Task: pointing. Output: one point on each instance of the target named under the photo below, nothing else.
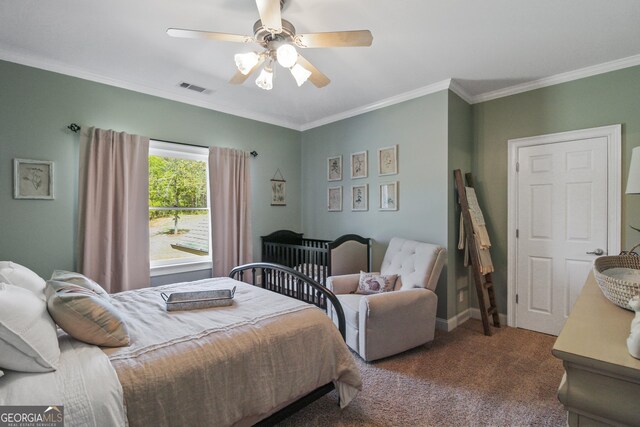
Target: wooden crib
(317, 259)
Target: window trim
(184, 267)
(195, 263)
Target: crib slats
(311, 257)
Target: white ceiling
(485, 46)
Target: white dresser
(601, 384)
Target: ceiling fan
(279, 40)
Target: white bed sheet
(85, 383)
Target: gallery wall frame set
(33, 179)
(388, 192)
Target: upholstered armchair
(387, 323)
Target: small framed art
(389, 196)
(360, 197)
(334, 199)
(334, 168)
(388, 160)
(32, 179)
(359, 165)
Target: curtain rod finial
(73, 127)
(254, 153)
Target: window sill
(163, 270)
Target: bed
(317, 259)
(253, 362)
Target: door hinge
(517, 166)
(516, 298)
(517, 233)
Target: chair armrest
(410, 304)
(344, 284)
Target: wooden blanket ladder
(483, 282)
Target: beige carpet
(464, 379)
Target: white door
(561, 227)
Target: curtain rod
(73, 127)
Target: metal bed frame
(289, 282)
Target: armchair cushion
(417, 264)
(375, 283)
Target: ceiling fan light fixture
(300, 73)
(265, 79)
(246, 61)
(287, 55)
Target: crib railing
(308, 256)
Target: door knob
(596, 252)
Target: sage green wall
(460, 157)
(600, 100)
(419, 127)
(37, 105)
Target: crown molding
(459, 90)
(581, 73)
(56, 67)
(450, 84)
(406, 96)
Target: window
(179, 236)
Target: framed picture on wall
(334, 168)
(32, 179)
(389, 196)
(360, 197)
(388, 160)
(334, 199)
(359, 165)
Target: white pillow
(18, 275)
(28, 336)
(1, 373)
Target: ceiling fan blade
(270, 16)
(239, 78)
(316, 77)
(335, 39)
(208, 35)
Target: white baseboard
(449, 325)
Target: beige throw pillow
(80, 280)
(375, 283)
(28, 336)
(86, 315)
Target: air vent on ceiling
(195, 88)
